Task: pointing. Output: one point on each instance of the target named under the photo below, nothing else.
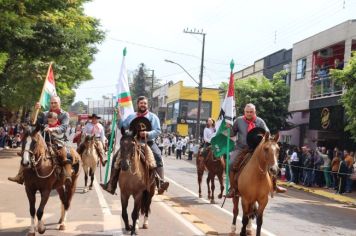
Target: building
(268, 65)
(159, 102)
(103, 108)
(182, 108)
(314, 96)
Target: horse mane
(41, 147)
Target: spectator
(295, 165)
(179, 149)
(349, 167)
(335, 163)
(342, 175)
(326, 166)
(317, 172)
(308, 167)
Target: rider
(60, 128)
(142, 111)
(242, 125)
(209, 132)
(96, 129)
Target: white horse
(90, 160)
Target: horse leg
(235, 201)
(261, 207)
(31, 195)
(91, 173)
(135, 213)
(200, 177)
(147, 206)
(221, 181)
(212, 178)
(245, 217)
(44, 198)
(208, 183)
(124, 203)
(85, 180)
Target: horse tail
(145, 202)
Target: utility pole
(152, 83)
(187, 31)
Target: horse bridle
(263, 172)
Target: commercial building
(182, 108)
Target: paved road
(179, 212)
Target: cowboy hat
(94, 116)
(254, 137)
(140, 124)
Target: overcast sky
(241, 30)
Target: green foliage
(3, 59)
(32, 34)
(142, 83)
(271, 98)
(78, 107)
(347, 77)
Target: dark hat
(254, 137)
(140, 124)
(94, 116)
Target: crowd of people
(319, 167)
(174, 144)
(10, 135)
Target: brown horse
(215, 167)
(43, 175)
(89, 161)
(255, 184)
(135, 179)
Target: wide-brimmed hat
(254, 137)
(140, 124)
(94, 116)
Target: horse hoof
(85, 190)
(248, 231)
(220, 196)
(200, 195)
(62, 227)
(145, 226)
(212, 201)
(90, 187)
(31, 234)
(42, 230)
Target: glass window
(301, 68)
(175, 109)
(170, 111)
(189, 110)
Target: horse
(89, 161)
(254, 183)
(134, 179)
(215, 167)
(42, 174)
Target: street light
(88, 105)
(197, 128)
(152, 81)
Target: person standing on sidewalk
(349, 167)
(294, 163)
(326, 166)
(179, 147)
(335, 163)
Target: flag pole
(232, 64)
(34, 120)
(111, 143)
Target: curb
(319, 192)
(206, 229)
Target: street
(178, 212)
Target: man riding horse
(97, 130)
(59, 139)
(150, 136)
(241, 127)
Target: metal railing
(325, 86)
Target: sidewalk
(347, 198)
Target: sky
(244, 31)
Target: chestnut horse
(43, 174)
(89, 161)
(135, 179)
(254, 183)
(215, 167)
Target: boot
(19, 178)
(163, 186)
(277, 188)
(111, 185)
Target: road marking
(184, 221)
(103, 204)
(216, 206)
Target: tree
(347, 77)
(142, 83)
(34, 33)
(78, 107)
(271, 98)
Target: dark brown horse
(43, 174)
(135, 179)
(254, 184)
(215, 167)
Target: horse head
(127, 149)
(33, 144)
(271, 152)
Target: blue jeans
(308, 178)
(2, 141)
(349, 181)
(156, 153)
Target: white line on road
(103, 204)
(216, 206)
(180, 218)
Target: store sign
(327, 118)
(189, 121)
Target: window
(301, 68)
(189, 110)
(175, 109)
(170, 111)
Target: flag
(221, 143)
(124, 103)
(49, 89)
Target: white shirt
(97, 130)
(294, 157)
(208, 134)
(179, 145)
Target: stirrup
(163, 187)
